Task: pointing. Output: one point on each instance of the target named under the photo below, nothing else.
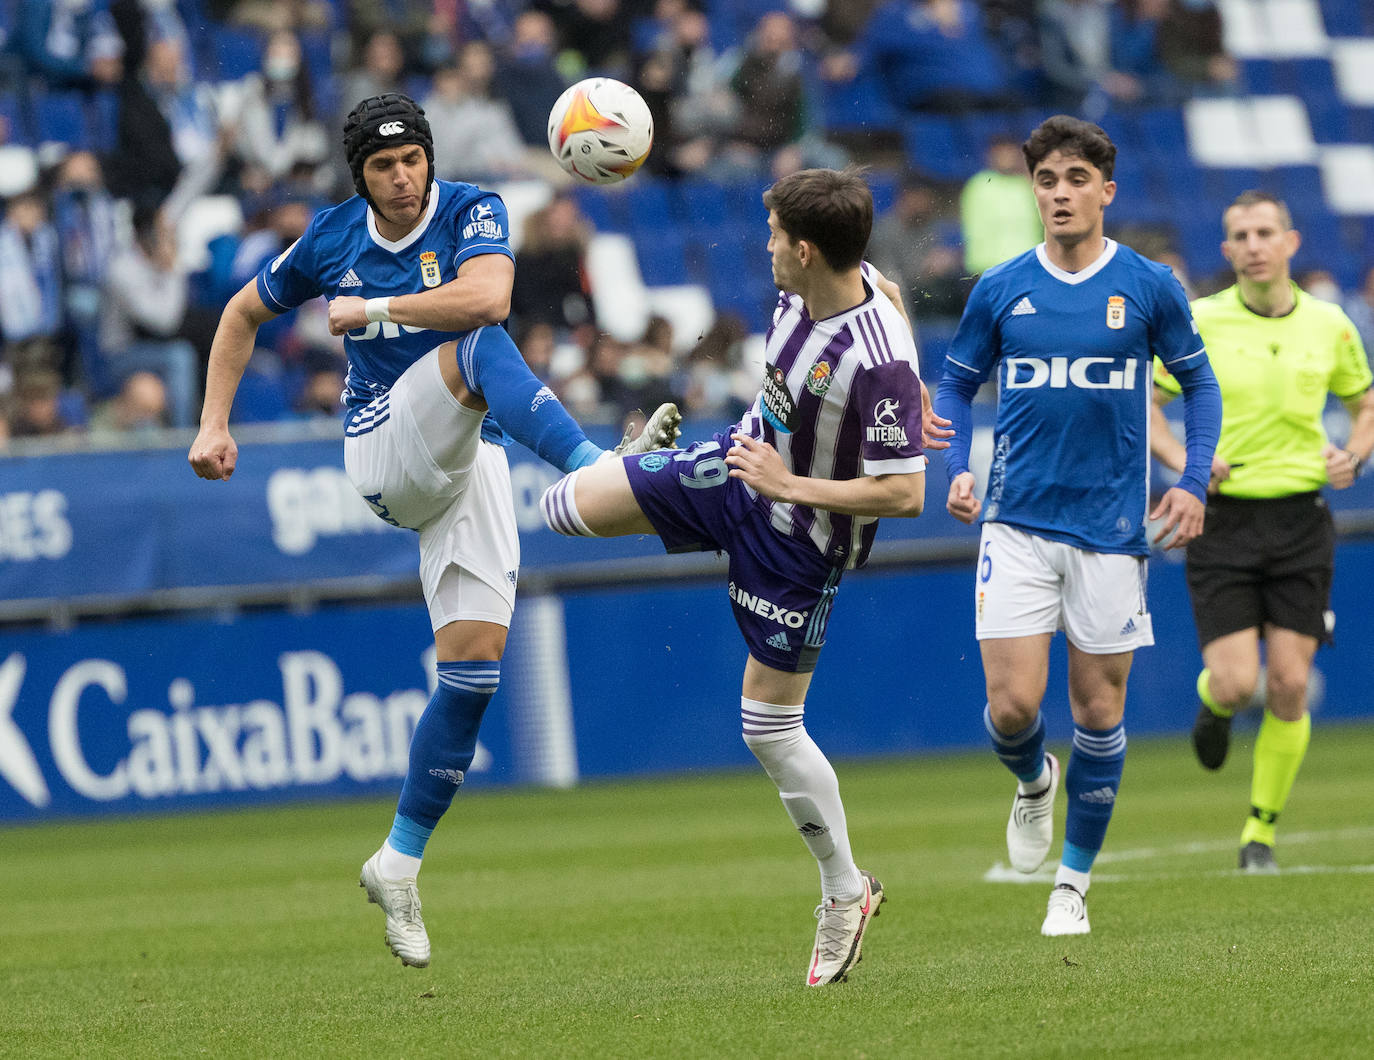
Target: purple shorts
(781, 588)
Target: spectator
(769, 91)
(1189, 43)
(30, 271)
(526, 77)
(84, 220)
(1320, 283)
(378, 72)
(475, 138)
(427, 32)
(930, 55)
(1359, 307)
(37, 405)
(145, 308)
(681, 80)
(139, 407)
(278, 125)
(1097, 53)
(596, 34)
(909, 247)
(146, 163)
(322, 386)
(997, 209)
(69, 43)
(271, 15)
(550, 282)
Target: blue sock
(442, 748)
(1023, 752)
(1092, 780)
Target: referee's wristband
(378, 310)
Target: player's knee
(558, 505)
(1230, 687)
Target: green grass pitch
(672, 918)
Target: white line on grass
(1001, 873)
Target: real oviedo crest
(429, 269)
(1116, 312)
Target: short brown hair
(830, 208)
(1074, 137)
(1255, 197)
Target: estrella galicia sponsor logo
(652, 462)
(453, 776)
(820, 377)
(482, 222)
(886, 430)
(391, 128)
(778, 407)
(767, 609)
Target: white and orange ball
(600, 130)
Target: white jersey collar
(1082, 275)
(411, 236)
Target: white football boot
(840, 933)
(400, 901)
(1067, 913)
(1030, 829)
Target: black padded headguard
(385, 121)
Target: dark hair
(1254, 197)
(405, 122)
(1073, 137)
(831, 209)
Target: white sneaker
(400, 901)
(1030, 829)
(840, 933)
(660, 432)
(1067, 913)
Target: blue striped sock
(1022, 752)
(1091, 781)
(441, 750)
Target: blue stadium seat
(1344, 18)
(592, 202)
(662, 254)
(641, 202)
(15, 122)
(61, 116)
(238, 52)
(102, 120)
(860, 105)
(261, 398)
(1259, 77)
(702, 201)
(935, 148)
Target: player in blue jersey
(1068, 330)
(418, 274)
(793, 493)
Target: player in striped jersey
(418, 272)
(793, 494)
(1069, 330)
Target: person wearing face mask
(1261, 571)
(278, 123)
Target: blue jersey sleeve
(1175, 341)
(289, 279)
(970, 360)
(1174, 337)
(484, 228)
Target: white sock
(394, 865)
(1077, 880)
(809, 790)
(1037, 785)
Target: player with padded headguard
(418, 274)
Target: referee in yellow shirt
(1262, 568)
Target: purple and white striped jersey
(841, 398)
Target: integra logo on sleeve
(886, 430)
(767, 609)
(482, 222)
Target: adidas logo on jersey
(1103, 796)
(350, 280)
(779, 641)
(1022, 308)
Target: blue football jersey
(1072, 353)
(342, 253)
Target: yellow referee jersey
(1275, 374)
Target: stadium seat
(662, 255)
(1352, 61)
(13, 123)
(860, 106)
(593, 204)
(522, 198)
(18, 169)
(238, 52)
(260, 398)
(935, 148)
(702, 202)
(1348, 178)
(617, 287)
(1342, 18)
(60, 116)
(687, 307)
(204, 219)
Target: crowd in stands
(121, 119)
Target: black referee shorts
(1262, 561)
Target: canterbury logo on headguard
(391, 128)
(384, 122)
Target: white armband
(378, 310)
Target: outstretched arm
(478, 296)
(213, 454)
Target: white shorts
(416, 456)
(1027, 584)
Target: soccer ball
(600, 130)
